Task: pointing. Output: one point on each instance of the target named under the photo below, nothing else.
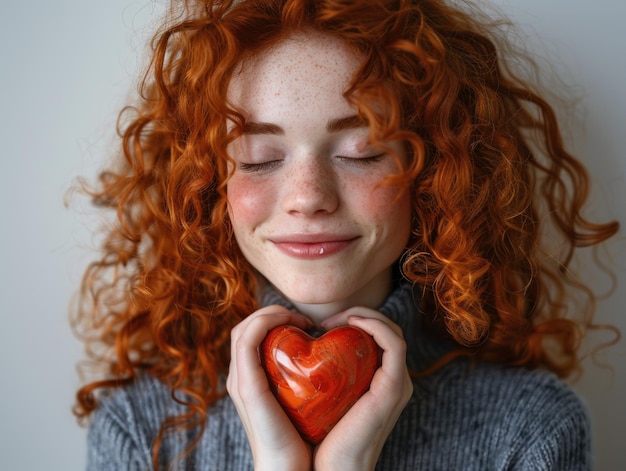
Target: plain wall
(66, 69)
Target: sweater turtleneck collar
(401, 307)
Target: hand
(274, 441)
(357, 439)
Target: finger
(341, 318)
(386, 333)
(393, 371)
(249, 333)
(246, 339)
(274, 315)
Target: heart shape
(317, 380)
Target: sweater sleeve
(563, 442)
(115, 440)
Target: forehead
(302, 70)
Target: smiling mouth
(314, 249)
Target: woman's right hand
(274, 441)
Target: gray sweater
(465, 416)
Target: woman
(371, 163)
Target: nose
(311, 187)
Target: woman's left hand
(356, 441)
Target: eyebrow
(250, 127)
(350, 122)
(333, 126)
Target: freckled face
(305, 200)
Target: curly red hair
(488, 173)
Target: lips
(313, 245)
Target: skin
(309, 212)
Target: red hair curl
(171, 282)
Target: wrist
(344, 465)
(286, 463)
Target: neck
(371, 296)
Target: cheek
(247, 203)
(389, 207)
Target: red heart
(316, 381)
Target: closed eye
(259, 167)
(362, 161)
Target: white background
(66, 67)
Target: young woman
(318, 163)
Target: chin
(310, 298)
(311, 294)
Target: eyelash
(363, 160)
(266, 166)
(260, 167)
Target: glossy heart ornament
(317, 380)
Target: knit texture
(465, 416)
